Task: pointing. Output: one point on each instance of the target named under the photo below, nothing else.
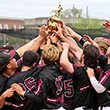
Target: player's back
(84, 94)
(52, 86)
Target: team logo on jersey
(29, 84)
(59, 85)
(68, 88)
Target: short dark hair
(91, 55)
(30, 57)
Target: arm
(31, 95)
(74, 34)
(99, 88)
(82, 40)
(7, 93)
(64, 61)
(67, 31)
(74, 48)
(33, 44)
(2, 101)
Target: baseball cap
(50, 52)
(6, 54)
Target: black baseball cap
(6, 54)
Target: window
(5, 26)
(14, 26)
(1, 26)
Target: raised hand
(90, 72)
(59, 33)
(107, 25)
(88, 38)
(43, 31)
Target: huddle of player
(57, 70)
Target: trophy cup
(52, 24)
(54, 20)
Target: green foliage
(79, 21)
(71, 13)
(82, 23)
(16, 42)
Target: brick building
(10, 23)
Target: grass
(82, 23)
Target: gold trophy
(54, 20)
(52, 24)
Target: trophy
(54, 20)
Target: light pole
(87, 20)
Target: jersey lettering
(23, 87)
(30, 84)
(68, 88)
(59, 85)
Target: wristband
(82, 40)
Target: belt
(83, 108)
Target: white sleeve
(96, 85)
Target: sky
(42, 8)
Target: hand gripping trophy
(54, 20)
(53, 23)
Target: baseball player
(103, 85)
(83, 92)
(46, 93)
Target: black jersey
(28, 81)
(68, 90)
(3, 80)
(104, 98)
(51, 79)
(103, 61)
(50, 87)
(84, 94)
(47, 88)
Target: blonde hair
(102, 42)
(50, 52)
(108, 52)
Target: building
(8, 24)
(11, 23)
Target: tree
(72, 13)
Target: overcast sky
(42, 8)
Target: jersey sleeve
(105, 80)
(33, 97)
(40, 93)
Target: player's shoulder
(107, 69)
(3, 78)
